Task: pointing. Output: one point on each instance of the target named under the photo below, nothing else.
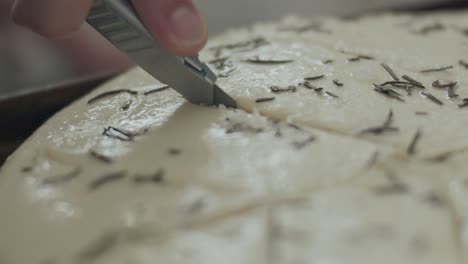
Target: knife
(118, 21)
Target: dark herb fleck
(394, 188)
(408, 90)
(388, 92)
(278, 132)
(421, 113)
(451, 92)
(464, 64)
(116, 133)
(219, 63)
(435, 200)
(174, 151)
(390, 72)
(351, 18)
(432, 98)
(224, 65)
(258, 60)
(266, 99)
(313, 78)
(397, 84)
(127, 105)
(158, 177)
(239, 127)
(240, 46)
(308, 85)
(317, 27)
(431, 28)
(373, 160)
(400, 84)
(389, 119)
(108, 178)
(100, 157)
(278, 89)
(294, 127)
(438, 84)
(62, 178)
(32, 164)
(337, 83)
(413, 81)
(227, 73)
(157, 90)
(437, 69)
(27, 169)
(450, 87)
(121, 134)
(357, 56)
(331, 94)
(327, 61)
(318, 89)
(441, 157)
(386, 127)
(110, 93)
(414, 142)
(302, 144)
(196, 206)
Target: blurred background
(223, 13)
(38, 76)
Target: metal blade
(222, 98)
(118, 22)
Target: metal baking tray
(22, 111)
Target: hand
(176, 24)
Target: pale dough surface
(290, 180)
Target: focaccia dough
(132, 173)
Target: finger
(176, 24)
(51, 18)
(91, 53)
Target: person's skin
(176, 24)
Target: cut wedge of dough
(330, 48)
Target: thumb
(176, 24)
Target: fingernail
(187, 27)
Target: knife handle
(118, 21)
